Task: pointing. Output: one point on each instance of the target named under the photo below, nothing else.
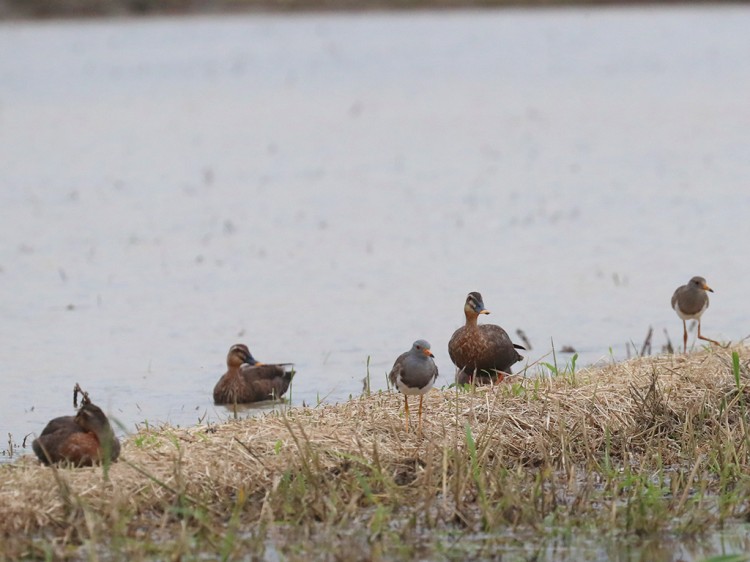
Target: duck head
(238, 355)
(91, 418)
(474, 305)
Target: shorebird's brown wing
(676, 295)
(397, 370)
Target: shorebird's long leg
(700, 337)
(406, 411)
(684, 337)
(419, 429)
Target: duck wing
(269, 389)
(267, 371)
(48, 446)
(461, 347)
(266, 381)
(498, 351)
(63, 423)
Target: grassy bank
(651, 447)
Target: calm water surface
(327, 188)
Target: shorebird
(481, 353)
(690, 302)
(247, 380)
(81, 440)
(414, 372)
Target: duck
(483, 354)
(690, 301)
(85, 439)
(247, 380)
(414, 372)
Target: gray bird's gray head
(423, 347)
(699, 282)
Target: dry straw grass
(624, 445)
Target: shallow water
(731, 540)
(515, 545)
(327, 188)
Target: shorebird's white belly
(686, 316)
(412, 391)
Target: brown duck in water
(690, 302)
(246, 380)
(483, 354)
(81, 440)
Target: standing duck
(81, 440)
(690, 302)
(246, 380)
(482, 353)
(414, 372)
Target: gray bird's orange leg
(406, 411)
(700, 337)
(419, 430)
(684, 337)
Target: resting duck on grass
(483, 354)
(247, 381)
(81, 440)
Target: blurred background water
(328, 188)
